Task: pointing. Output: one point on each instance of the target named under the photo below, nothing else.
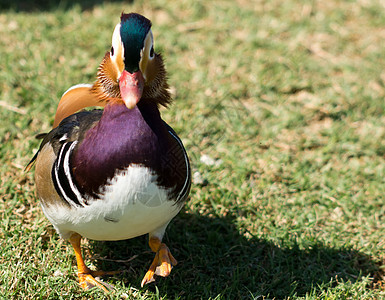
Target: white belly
(132, 205)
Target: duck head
(130, 72)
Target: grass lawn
(285, 97)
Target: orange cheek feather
(74, 100)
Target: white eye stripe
(145, 54)
(149, 46)
(116, 43)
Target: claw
(162, 263)
(90, 280)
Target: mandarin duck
(120, 172)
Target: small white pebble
(57, 273)
(197, 178)
(22, 62)
(207, 160)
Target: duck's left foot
(86, 276)
(162, 263)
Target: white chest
(132, 205)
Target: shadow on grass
(48, 5)
(214, 258)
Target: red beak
(131, 87)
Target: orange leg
(86, 276)
(162, 263)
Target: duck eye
(152, 52)
(112, 51)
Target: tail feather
(32, 161)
